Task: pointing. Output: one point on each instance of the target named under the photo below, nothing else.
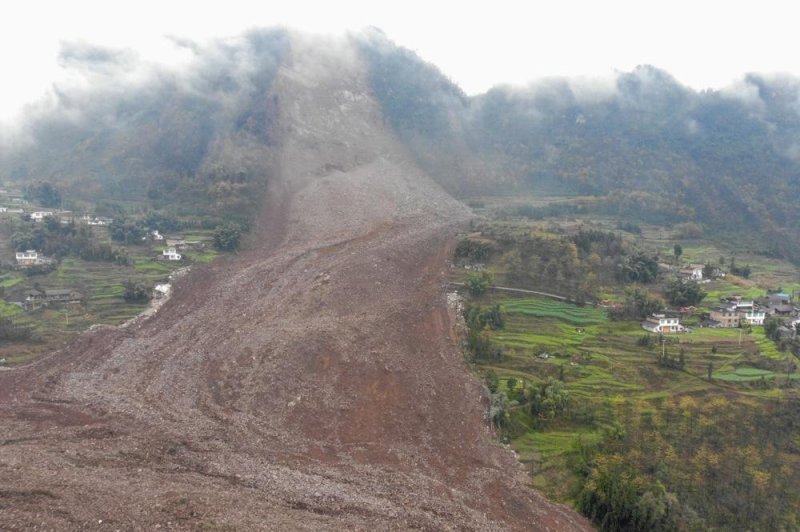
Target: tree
(511, 383)
(492, 382)
(136, 292)
(549, 398)
(478, 282)
(683, 293)
(638, 305)
(677, 250)
(44, 193)
(227, 236)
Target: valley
(393, 305)
(604, 413)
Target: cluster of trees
(43, 193)
(227, 236)
(573, 265)
(478, 282)
(689, 464)
(11, 331)
(56, 239)
(681, 293)
(128, 231)
(136, 291)
(479, 322)
(473, 249)
(638, 305)
(549, 399)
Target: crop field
(545, 308)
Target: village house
(753, 317)
(693, 272)
(778, 304)
(3, 209)
(156, 235)
(96, 220)
(171, 254)
(38, 216)
(724, 316)
(659, 323)
(35, 299)
(31, 257)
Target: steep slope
(310, 383)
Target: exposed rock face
(309, 383)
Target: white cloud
(703, 44)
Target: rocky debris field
(309, 383)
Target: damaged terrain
(311, 382)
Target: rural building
(41, 298)
(693, 272)
(171, 254)
(156, 235)
(31, 257)
(725, 316)
(753, 317)
(38, 216)
(659, 323)
(778, 298)
(96, 220)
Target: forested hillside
(198, 135)
(642, 144)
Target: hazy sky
(477, 44)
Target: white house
(27, 258)
(156, 235)
(693, 272)
(3, 209)
(171, 254)
(96, 220)
(659, 323)
(31, 257)
(38, 216)
(753, 317)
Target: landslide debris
(309, 383)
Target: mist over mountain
(641, 143)
(132, 128)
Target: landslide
(308, 383)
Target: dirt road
(309, 383)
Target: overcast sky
(477, 44)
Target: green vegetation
(227, 236)
(638, 431)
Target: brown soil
(309, 383)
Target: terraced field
(102, 285)
(602, 363)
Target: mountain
(310, 382)
(642, 143)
